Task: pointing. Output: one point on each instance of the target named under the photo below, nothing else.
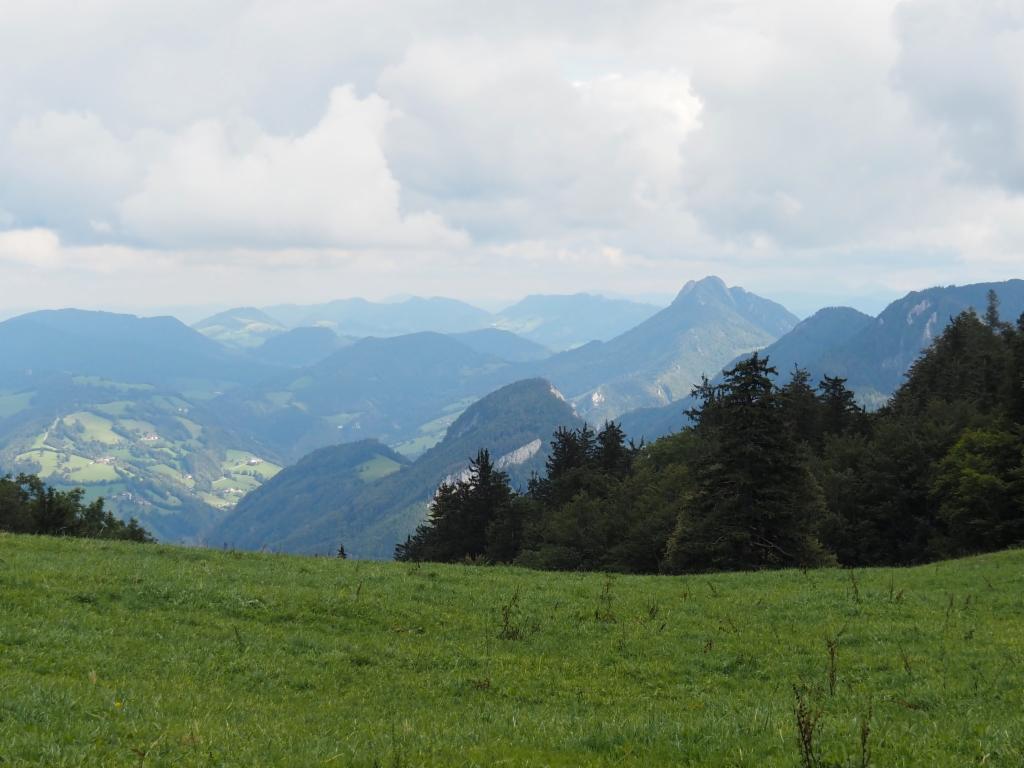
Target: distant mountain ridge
(151, 350)
(873, 354)
(240, 327)
(553, 322)
(175, 427)
(875, 359)
(383, 388)
(566, 321)
(660, 359)
(406, 390)
(515, 423)
(360, 317)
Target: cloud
(219, 183)
(239, 186)
(462, 148)
(61, 169)
(36, 248)
(506, 146)
(962, 66)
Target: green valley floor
(120, 654)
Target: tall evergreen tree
(755, 503)
(613, 455)
(840, 412)
(463, 515)
(800, 407)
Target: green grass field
(94, 427)
(118, 654)
(12, 403)
(376, 468)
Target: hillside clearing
(114, 654)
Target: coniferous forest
(28, 505)
(774, 470)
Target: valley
(177, 426)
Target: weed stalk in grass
(652, 609)
(604, 612)
(865, 737)
(806, 724)
(833, 648)
(510, 630)
(908, 666)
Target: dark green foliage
(469, 518)
(799, 402)
(324, 498)
(577, 512)
(840, 413)
(27, 505)
(279, 513)
(770, 476)
(755, 503)
(979, 490)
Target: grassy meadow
(119, 654)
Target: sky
(248, 152)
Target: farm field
(159, 460)
(120, 654)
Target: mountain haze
(659, 360)
(873, 354)
(300, 347)
(359, 317)
(564, 322)
(240, 327)
(149, 350)
(515, 423)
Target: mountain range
(660, 359)
(555, 322)
(368, 497)
(176, 428)
(871, 353)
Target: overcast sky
(253, 152)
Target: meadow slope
(121, 654)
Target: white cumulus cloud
(238, 185)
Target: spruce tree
(800, 406)
(463, 514)
(755, 503)
(840, 412)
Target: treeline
(28, 505)
(770, 475)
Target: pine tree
(992, 311)
(755, 503)
(800, 407)
(613, 455)
(840, 412)
(462, 516)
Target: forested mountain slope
(659, 361)
(873, 354)
(371, 516)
